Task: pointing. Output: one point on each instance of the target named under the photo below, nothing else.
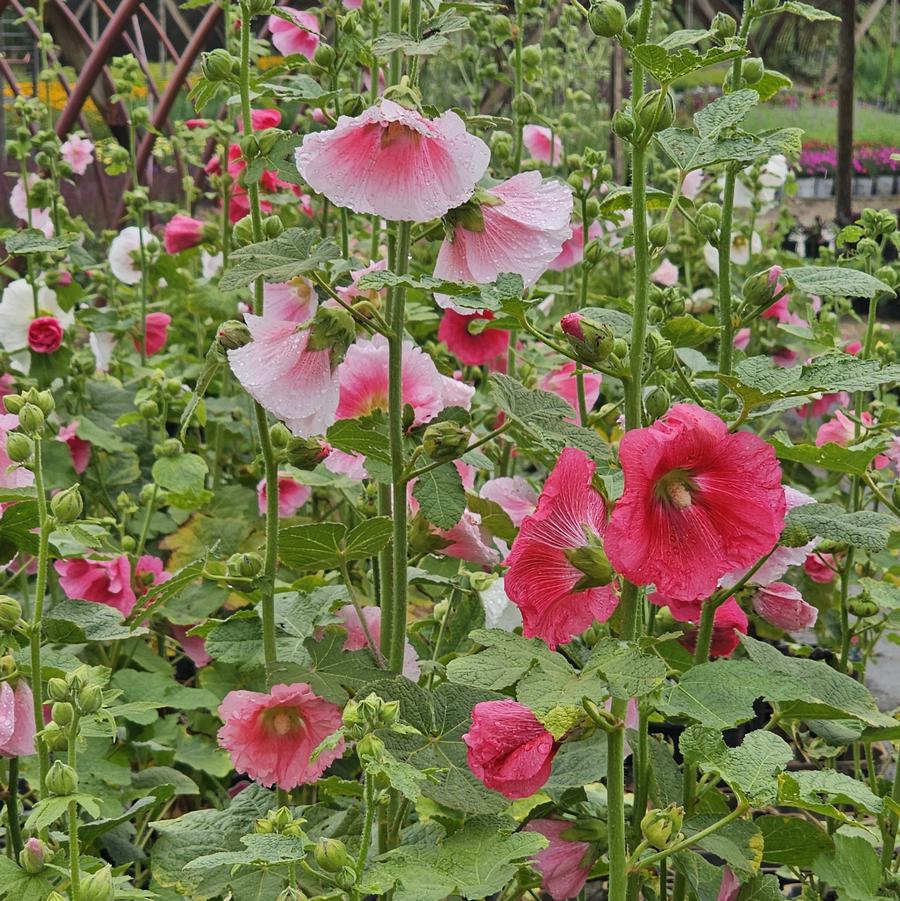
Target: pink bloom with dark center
(572, 250)
(291, 495)
(517, 498)
(699, 502)
(477, 347)
(564, 382)
(820, 568)
(16, 720)
(564, 864)
(78, 447)
(156, 333)
(106, 581)
(543, 145)
(45, 335)
(728, 622)
(395, 163)
(356, 636)
(557, 599)
(509, 750)
(271, 737)
(300, 35)
(182, 233)
(78, 152)
(782, 605)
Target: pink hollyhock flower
(518, 226)
(690, 185)
(149, 571)
(16, 720)
(543, 145)
(276, 369)
(12, 475)
(573, 249)
(182, 233)
(291, 495)
(156, 327)
(363, 378)
(352, 465)
(194, 646)
(293, 301)
(106, 581)
(271, 737)
(78, 447)
(741, 339)
(563, 864)
(509, 750)
(45, 335)
(820, 568)
(557, 599)
(820, 405)
(840, 430)
(691, 510)
(563, 381)
(395, 163)
(352, 4)
(474, 348)
(356, 637)
(194, 124)
(78, 152)
(782, 605)
(728, 622)
(666, 274)
(352, 292)
(300, 35)
(779, 310)
(262, 119)
(517, 498)
(853, 347)
(730, 888)
(7, 385)
(784, 357)
(18, 204)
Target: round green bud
(68, 505)
(217, 65)
(592, 208)
(61, 779)
(445, 441)
(331, 854)
(663, 355)
(149, 409)
(724, 26)
(19, 447)
(334, 329)
(10, 613)
(794, 535)
(620, 348)
(659, 235)
(98, 886)
(128, 543)
(247, 565)
(63, 713)
(531, 55)
(501, 27)
(607, 18)
(305, 453)
(13, 403)
(660, 827)
(324, 56)
(862, 605)
(753, 70)
(655, 111)
(232, 334)
(622, 124)
(58, 689)
(171, 447)
(31, 419)
(279, 435)
(243, 232)
(272, 227)
(90, 698)
(523, 105)
(657, 402)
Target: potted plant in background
(862, 171)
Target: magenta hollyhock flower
(271, 737)
(45, 335)
(728, 622)
(782, 605)
(785, 357)
(557, 599)
(517, 498)
(543, 145)
(478, 347)
(262, 119)
(182, 233)
(564, 382)
(572, 250)
(522, 226)
(666, 274)
(699, 502)
(509, 750)
(278, 371)
(820, 567)
(292, 495)
(395, 163)
(78, 152)
(363, 378)
(156, 333)
(356, 636)
(194, 646)
(820, 405)
(840, 430)
(78, 447)
(564, 865)
(16, 720)
(298, 36)
(105, 581)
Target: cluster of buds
(662, 827)
(363, 717)
(73, 697)
(662, 351)
(32, 407)
(280, 822)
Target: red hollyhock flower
(45, 334)
(558, 576)
(182, 233)
(699, 502)
(729, 621)
(474, 348)
(157, 333)
(509, 750)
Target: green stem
(12, 807)
(395, 68)
(74, 852)
(368, 818)
(518, 84)
(889, 827)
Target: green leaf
(402, 776)
(726, 112)
(771, 83)
(810, 13)
(821, 790)
(704, 878)
(853, 460)
(368, 538)
(835, 281)
(319, 545)
(162, 691)
(89, 832)
(159, 595)
(32, 240)
(156, 776)
(629, 671)
(738, 843)
(184, 477)
(867, 529)
(74, 622)
(99, 437)
(441, 496)
(792, 841)
(361, 436)
(667, 67)
(578, 763)
(506, 658)
(48, 810)
(297, 251)
(853, 868)
(885, 594)
(619, 199)
(17, 885)
(269, 848)
(686, 331)
(750, 768)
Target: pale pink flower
(840, 430)
(17, 728)
(78, 152)
(271, 737)
(741, 339)
(395, 163)
(820, 567)
(730, 888)
(104, 581)
(78, 447)
(18, 204)
(352, 465)
(356, 636)
(543, 145)
(690, 186)
(564, 864)
(564, 382)
(292, 495)
(293, 301)
(666, 274)
(572, 250)
(299, 36)
(350, 293)
(517, 498)
(782, 605)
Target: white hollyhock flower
(102, 345)
(740, 251)
(16, 314)
(499, 611)
(125, 253)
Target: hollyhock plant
(271, 737)
(472, 346)
(156, 333)
(78, 447)
(102, 581)
(555, 566)
(125, 253)
(729, 623)
(782, 605)
(292, 495)
(518, 226)
(356, 636)
(78, 152)
(542, 144)
(517, 498)
(182, 233)
(45, 335)
(572, 250)
(564, 864)
(689, 513)
(297, 33)
(564, 382)
(393, 162)
(17, 728)
(508, 748)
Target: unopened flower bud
(655, 111)
(794, 535)
(58, 689)
(292, 894)
(61, 779)
(862, 605)
(753, 70)
(370, 746)
(324, 56)
(272, 227)
(759, 289)
(660, 827)
(346, 877)
(305, 453)
(10, 613)
(232, 334)
(90, 699)
(149, 409)
(31, 857)
(764, 6)
(279, 435)
(171, 447)
(331, 854)
(444, 441)
(523, 105)
(31, 419)
(247, 566)
(593, 562)
(13, 403)
(659, 235)
(332, 329)
(63, 713)
(591, 341)
(98, 886)
(607, 18)
(622, 124)
(67, 505)
(19, 447)
(724, 26)
(663, 356)
(217, 65)
(657, 402)
(243, 232)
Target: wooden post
(846, 66)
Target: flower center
(397, 131)
(282, 720)
(675, 489)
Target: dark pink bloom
(853, 347)
(193, 124)
(557, 599)
(477, 347)
(573, 248)
(820, 568)
(785, 357)
(78, 447)
(563, 864)
(564, 382)
(16, 720)
(193, 646)
(292, 495)
(301, 35)
(45, 335)
(356, 636)
(182, 233)
(543, 145)
(782, 605)
(699, 502)
(729, 621)
(157, 333)
(822, 404)
(262, 119)
(395, 163)
(509, 750)
(271, 737)
(517, 498)
(106, 581)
